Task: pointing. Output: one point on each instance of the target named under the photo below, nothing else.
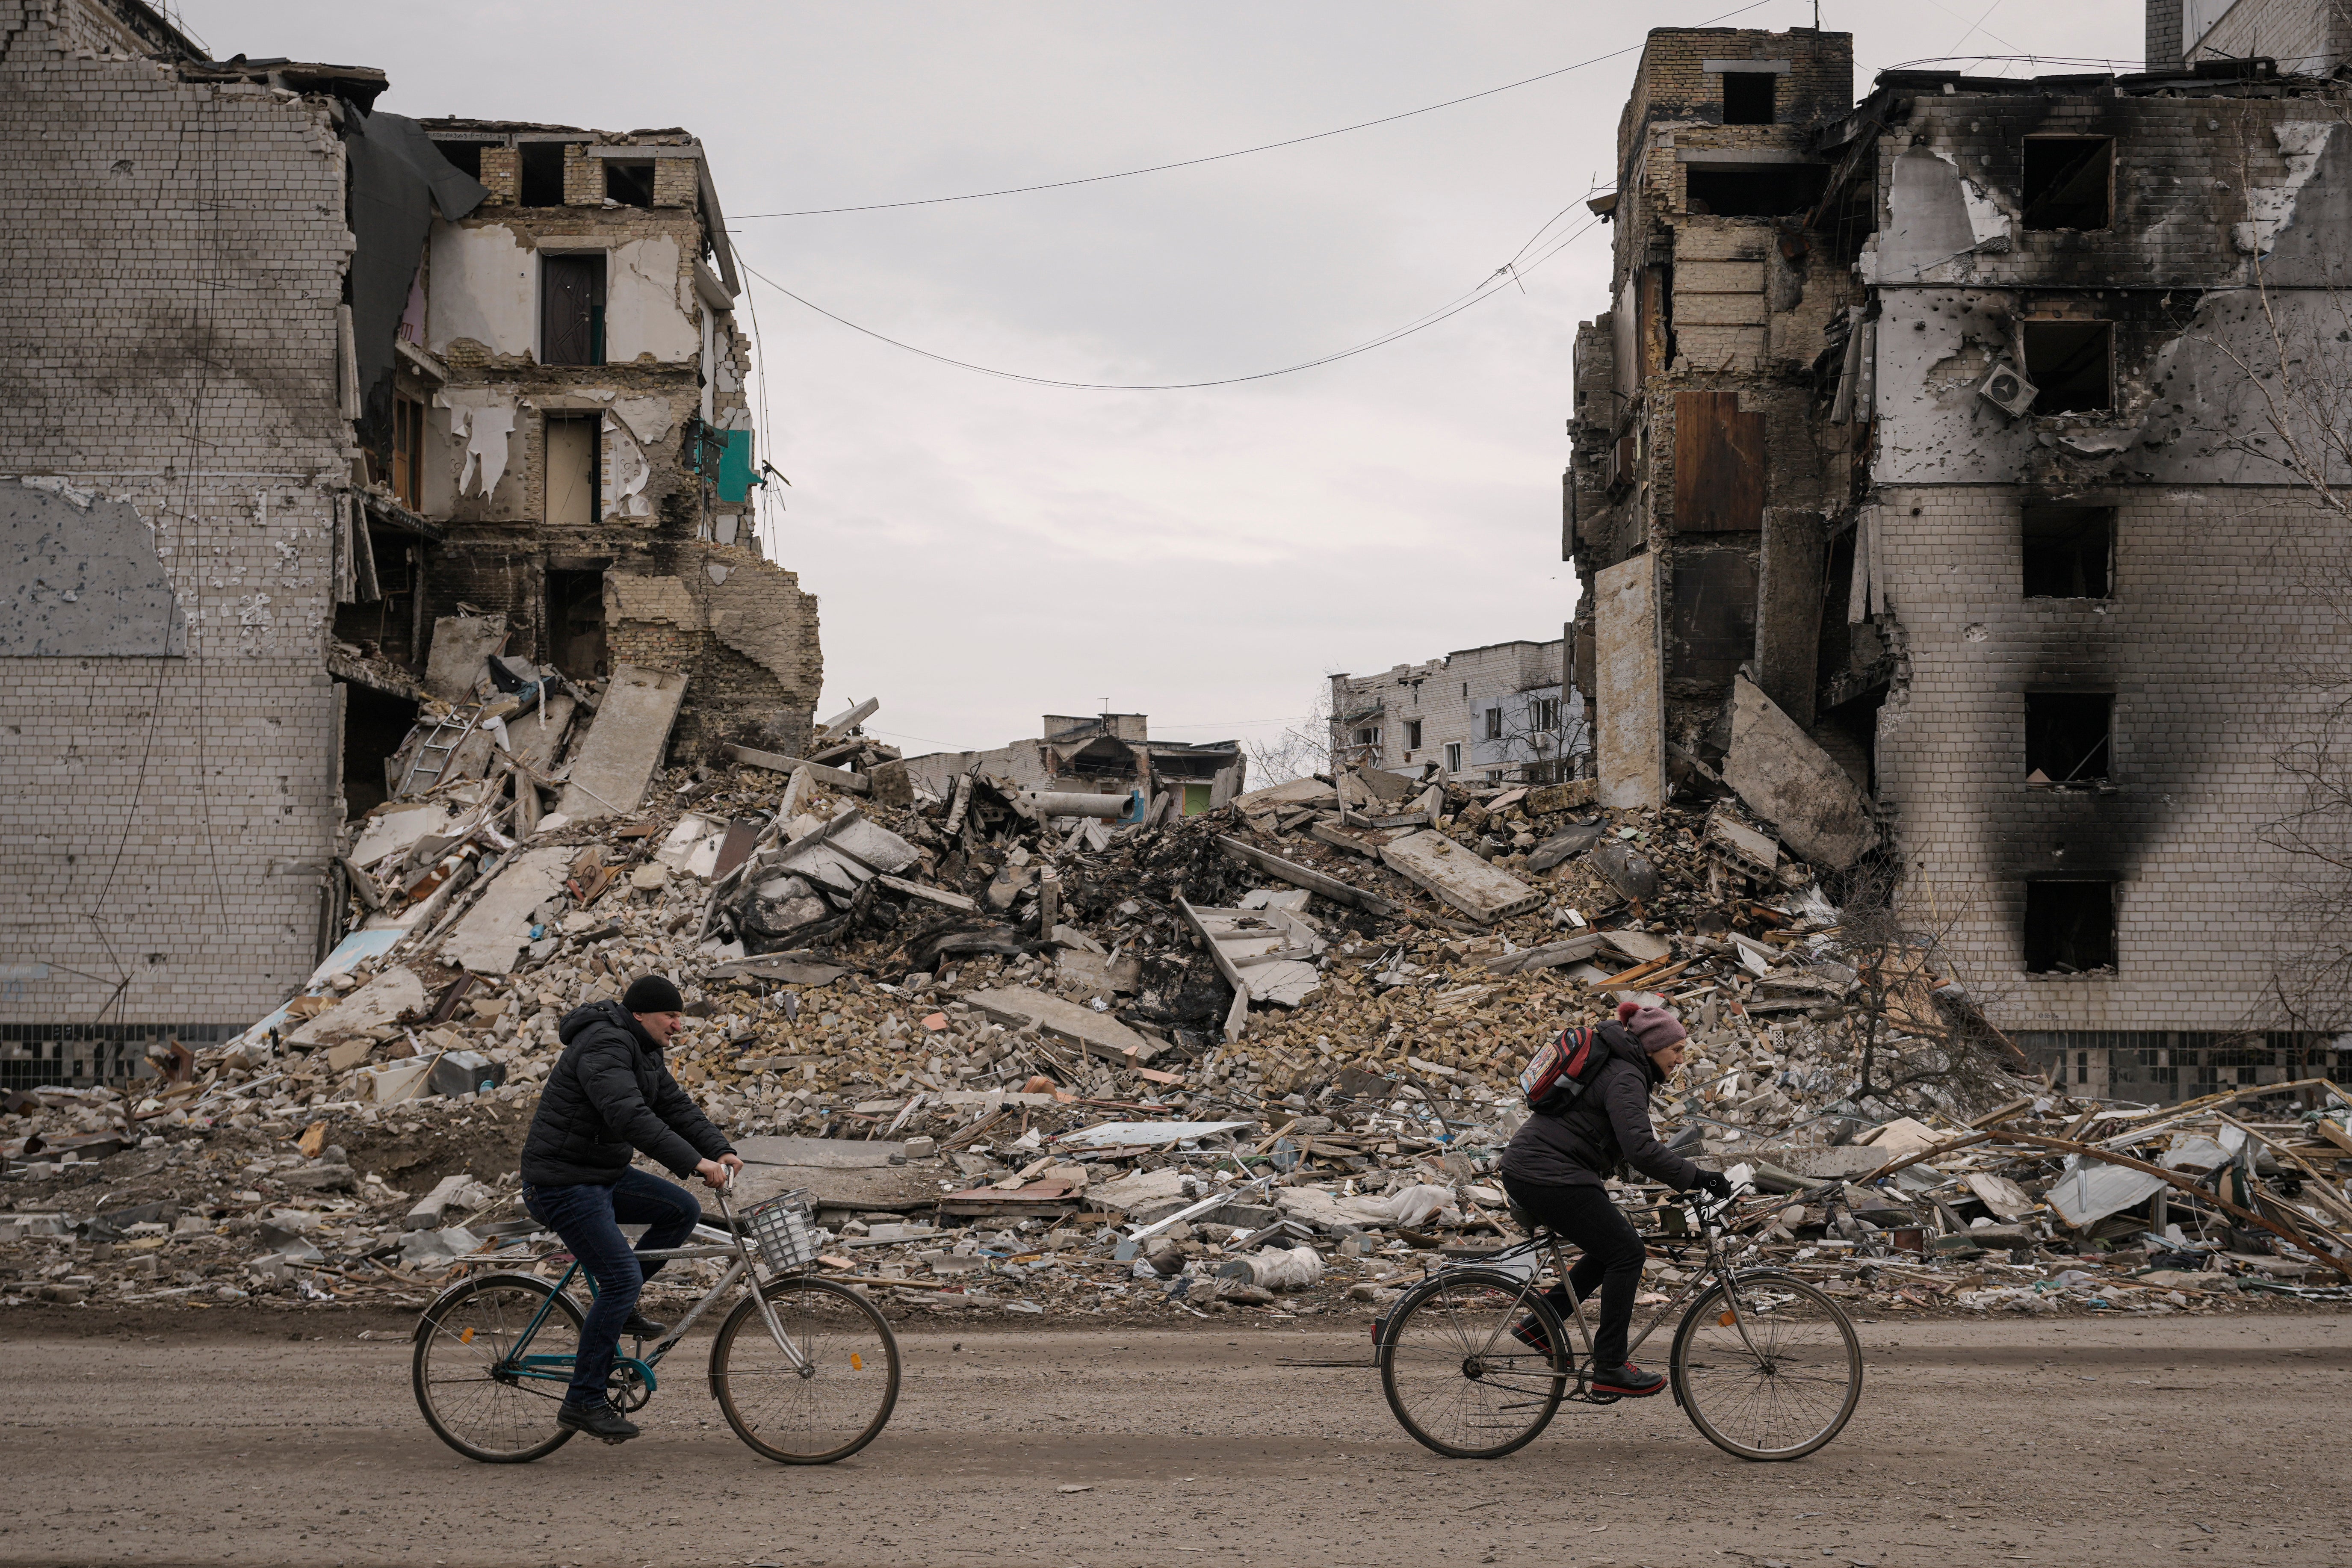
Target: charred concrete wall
(2176, 656)
(172, 268)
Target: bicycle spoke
(834, 1400)
(1782, 1387)
(1455, 1375)
(475, 1401)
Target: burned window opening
(1748, 96)
(2067, 736)
(1849, 733)
(2071, 365)
(465, 156)
(1776, 190)
(542, 175)
(572, 310)
(375, 723)
(2069, 552)
(408, 451)
(575, 623)
(2070, 927)
(2068, 182)
(631, 184)
(1412, 736)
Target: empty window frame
(542, 175)
(1494, 723)
(1412, 736)
(2071, 365)
(2069, 552)
(1748, 96)
(631, 184)
(1368, 736)
(1773, 190)
(2070, 927)
(1546, 715)
(572, 310)
(2069, 182)
(2068, 737)
(1454, 757)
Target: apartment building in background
(1490, 714)
(288, 385)
(1932, 426)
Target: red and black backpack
(1557, 1075)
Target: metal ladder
(446, 735)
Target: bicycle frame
(559, 1368)
(1719, 1269)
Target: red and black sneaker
(1627, 1381)
(1529, 1333)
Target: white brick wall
(2203, 644)
(1450, 698)
(171, 267)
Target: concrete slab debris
(1101, 1035)
(378, 1003)
(1786, 778)
(624, 745)
(461, 646)
(1459, 877)
(491, 936)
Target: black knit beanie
(653, 994)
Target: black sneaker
(640, 1327)
(1530, 1333)
(1627, 1382)
(599, 1420)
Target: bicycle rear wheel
(826, 1409)
(472, 1397)
(1458, 1380)
(1784, 1387)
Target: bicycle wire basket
(783, 1230)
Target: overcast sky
(986, 551)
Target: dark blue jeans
(589, 1218)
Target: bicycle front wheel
(483, 1390)
(1776, 1379)
(1457, 1377)
(830, 1406)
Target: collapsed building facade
(1108, 754)
(1496, 713)
(1926, 492)
(292, 391)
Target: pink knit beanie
(1652, 1028)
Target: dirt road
(2102, 1442)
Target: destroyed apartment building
(1110, 755)
(306, 410)
(1494, 712)
(1933, 491)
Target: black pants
(1612, 1259)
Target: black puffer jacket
(1608, 1126)
(609, 1092)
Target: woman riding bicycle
(1556, 1166)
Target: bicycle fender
(434, 1307)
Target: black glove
(1715, 1184)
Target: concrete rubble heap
(1018, 1057)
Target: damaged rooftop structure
(328, 439)
(1931, 491)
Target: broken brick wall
(173, 269)
(671, 356)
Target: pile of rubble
(1028, 1058)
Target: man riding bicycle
(608, 1092)
(1554, 1168)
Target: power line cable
(1238, 152)
(1497, 282)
